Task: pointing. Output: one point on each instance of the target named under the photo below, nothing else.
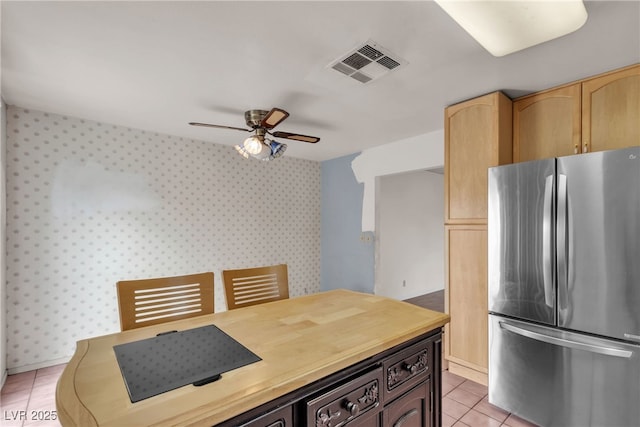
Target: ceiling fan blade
(218, 126)
(296, 136)
(273, 118)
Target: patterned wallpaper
(90, 203)
(3, 238)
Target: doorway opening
(409, 252)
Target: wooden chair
(251, 286)
(151, 301)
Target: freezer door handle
(608, 351)
(548, 244)
(561, 235)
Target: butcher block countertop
(299, 340)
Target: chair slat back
(251, 286)
(151, 301)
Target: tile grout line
(459, 419)
(29, 399)
(462, 416)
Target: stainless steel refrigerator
(564, 289)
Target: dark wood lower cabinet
(282, 417)
(399, 387)
(356, 399)
(411, 410)
(370, 421)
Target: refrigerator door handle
(608, 351)
(632, 337)
(547, 242)
(561, 236)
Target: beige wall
(410, 234)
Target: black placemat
(171, 360)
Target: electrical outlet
(366, 237)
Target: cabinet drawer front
(340, 405)
(407, 368)
(281, 417)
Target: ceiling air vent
(367, 62)
(361, 77)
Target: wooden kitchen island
(329, 359)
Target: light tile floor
(464, 403)
(28, 398)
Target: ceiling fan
(261, 122)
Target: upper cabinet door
(611, 110)
(477, 136)
(547, 124)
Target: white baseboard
(3, 379)
(34, 366)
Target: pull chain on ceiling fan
(258, 145)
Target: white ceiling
(158, 65)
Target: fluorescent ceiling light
(506, 26)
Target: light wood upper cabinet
(477, 136)
(596, 114)
(611, 110)
(547, 124)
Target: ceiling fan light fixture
(260, 148)
(277, 149)
(240, 149)
(254, 145)
(258, 145)
(504, 27)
